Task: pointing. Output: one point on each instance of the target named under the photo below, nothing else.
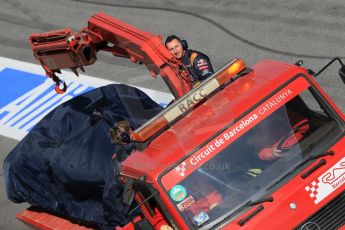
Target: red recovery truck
(258, 147)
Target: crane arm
(60, 49)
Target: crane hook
(57, 81)
(58, 89)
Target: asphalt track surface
(313, 31)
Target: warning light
(184, 104)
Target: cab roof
(196, 129)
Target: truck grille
(331, 216)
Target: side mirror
(342, 73)
(128, 194)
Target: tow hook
(58, 83)
(58, 88)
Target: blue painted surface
(15, 83)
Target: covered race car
(64, 164)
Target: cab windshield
(247, 168)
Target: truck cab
(249, 147)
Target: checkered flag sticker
(181, 168)
(313, 189)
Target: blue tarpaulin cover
(64, 164)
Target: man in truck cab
(198, 64)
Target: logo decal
(201, 62)
(201, 218)
(327, 183)
(178, 193)
(336, 173)
(185, 203)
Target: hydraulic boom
(62, 49)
